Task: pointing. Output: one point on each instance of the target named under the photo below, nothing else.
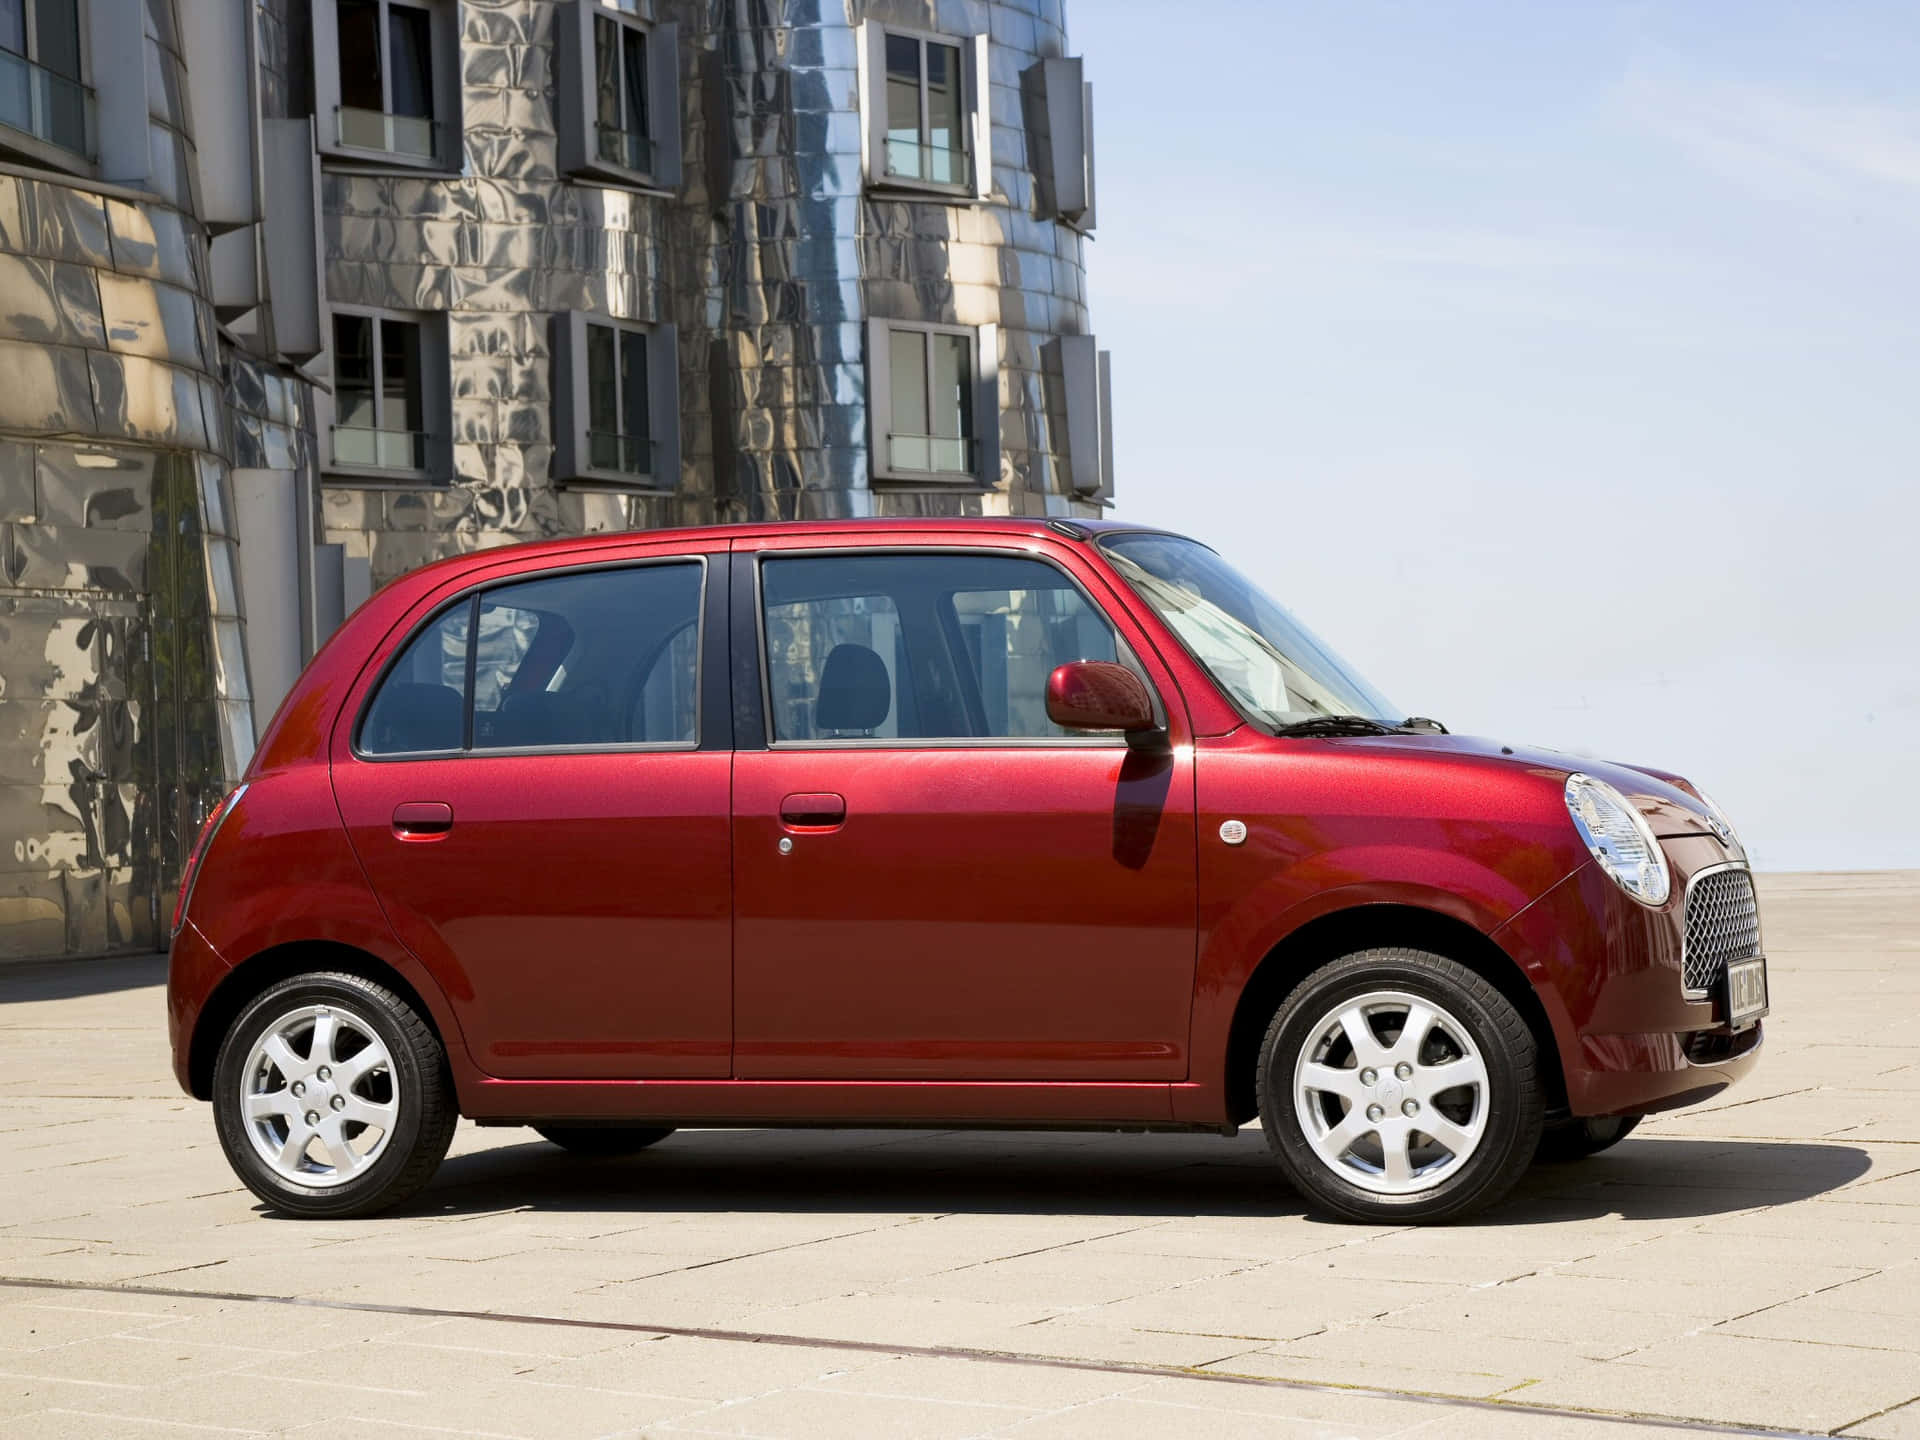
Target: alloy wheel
(320, 1095)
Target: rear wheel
(602, 1141)
(331, 1097)
(1577, 1139)
(1397, 1086)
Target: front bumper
(1607, 969)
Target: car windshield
(1270, 664)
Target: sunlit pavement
(1754, 1263)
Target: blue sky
(1559, 363)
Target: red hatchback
(933, 823)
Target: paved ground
(1755, 1263)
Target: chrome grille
(1723, 923)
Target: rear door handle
(822, 811)
(422, 819)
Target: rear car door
(932, 880)
(538, 789)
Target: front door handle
(422, 819)
(822, 811)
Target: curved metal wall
(769, 259)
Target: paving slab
(1751, 1263)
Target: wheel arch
(252, 978)
(1367, 927)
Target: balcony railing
(377, 131)
(370, 449)
(934, 454)
(929, 164)
(45, 105)
(629, 454)
(628, 149)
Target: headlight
(1717, 818)
(1619, 838)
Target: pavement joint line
(1146, 1369)
(1866, 1419)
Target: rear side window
(603, 658)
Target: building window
(925, 110)
(616, 391)
(1059, 115)
(41, 94)
(932, 396)
(389, 395)
(385, 80)
(617, 95)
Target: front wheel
(1397, 1086)
(331, 1097)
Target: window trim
(872, 49)
(436, 403)
(572, 450)
(1123, 647)
(473, 597)
(443, 58)
(576, 120)
(985, 340)
(43, 150)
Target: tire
(393, 1097)
(1577, 1139)
(602, 1142)
(1319, 1109)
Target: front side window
(926, 110)
(932, 646)
(597, 659)
(386, 74)
(380, 392)
(925, 407)
(41, 94)
(1274, 669)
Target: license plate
(1746, 991)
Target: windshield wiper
(1336, 725)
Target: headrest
(855, 691)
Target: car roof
(706, 536)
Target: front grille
(1723, 923)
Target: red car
(932, 823)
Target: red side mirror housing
(1099, 695)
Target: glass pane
(402, 405)
(56, 36)
(353, 370)
(907, 375)
(946, 116)
(952, 387)
(603, 397)
(419, 706)
(903, 107)
(359, 35)
(13, 26)
(606, 89)
(570, 660)
(634, 429)
(1021, 621)
(634, 75)
(410, 37)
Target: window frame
(436, 404)
(473, 596)
(576, 119)
(985, 342)
(1123, 648)
(43, 150)
(974, 95)
(443, 59)
(572, 445)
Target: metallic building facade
(180, 520)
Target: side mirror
(1100, 695)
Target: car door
(932, 880)
(539, 796)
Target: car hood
(1666, 799)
